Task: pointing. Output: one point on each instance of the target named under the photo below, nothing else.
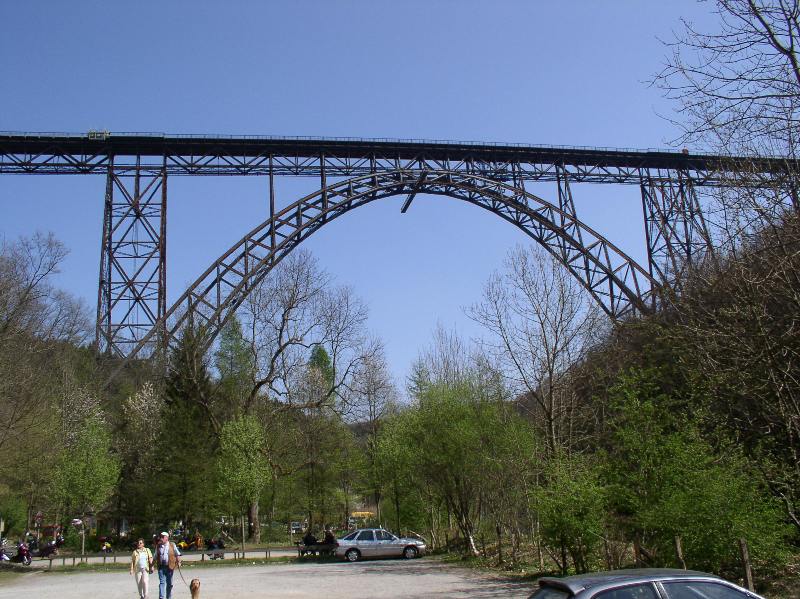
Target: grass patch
(9, 575)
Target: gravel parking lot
(377, 579)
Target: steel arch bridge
(132, 315)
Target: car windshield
(550, 593)
(350, 537)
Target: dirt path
(378, 579)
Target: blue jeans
(164, 582)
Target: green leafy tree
(394, 464)
(667, 480)
(87, 472)
(193, 417)
(242, 468)
(235, 363)
(571, 508)
(452, 444)
(13, 512)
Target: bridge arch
(613, 279)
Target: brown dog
(194, 588)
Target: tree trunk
(254, 523)
(346, 521)
(397, 505)
(471, 545)
(499, 532)
(539, 553)
(376, 496)
(466, 528)
(514, 545)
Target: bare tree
(29, 303)
(34, 317)
(738, 93)
(375, 397)
(447, 360)
(738, 88)
(541, 322)
(374, 392)
(294, 309)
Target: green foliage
(321, 361)
(13, 511)
(456, 444)
(666, 480)
(86, 472)
(72, 539)
(235, 362)
(571, 508)
(189, 381)
(184, 454)
(394, 466)
(242, 469)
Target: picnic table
(315, 549)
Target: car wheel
(352, 555)
(410, 552)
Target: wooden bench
(316, 549)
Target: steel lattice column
(676, 233)
(133, 270)
(567, 205)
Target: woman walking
(141, 567)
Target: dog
(194, 588)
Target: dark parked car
(655, 583)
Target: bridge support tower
(132, 292)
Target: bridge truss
(132, 314)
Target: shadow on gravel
(487, 588)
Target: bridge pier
(133, 268)
(675, 230)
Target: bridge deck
(52, 153)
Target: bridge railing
(312, 138)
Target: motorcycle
(3, 556)
(23, 555)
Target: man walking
(168, 557)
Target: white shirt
(164, 551)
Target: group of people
(165, 558)
(328, 539)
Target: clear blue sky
(567, 73)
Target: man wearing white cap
(168, 557)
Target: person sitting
(309, 538)
(198, 541)
(330, 538)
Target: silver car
(376, 542)
(647, 583)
